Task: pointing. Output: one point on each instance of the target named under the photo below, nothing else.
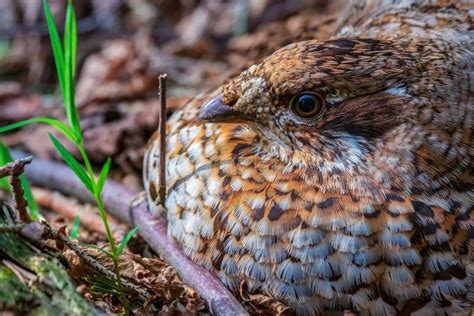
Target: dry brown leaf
(116, 72)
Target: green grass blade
(70, 45)
(55, 44)
(5, 47)
(101, 249)
(32, 205)
(73, 40)
(72, 163)
(103, 176)
(125, 241)
(75, 225)
(57, 124)
(4, 184)
(67, 93)
(6, 157)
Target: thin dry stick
(34, 231)
(15, 169)
(11, 228)
(162, 128)
(20, 202)
(117, 200)
(96, 265)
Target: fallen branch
(117, 200)
(95, 264)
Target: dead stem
(15, 169)
(96, 265)
(162, 128)
(20, 202)
(11, 228)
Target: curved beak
(216, 111)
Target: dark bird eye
(306, 104)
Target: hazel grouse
(337, 174)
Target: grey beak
(216, 111)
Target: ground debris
(34, 281)
(167, 290)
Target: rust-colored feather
(367, 205)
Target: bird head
(339, 107)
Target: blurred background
(123, 46)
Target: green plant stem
(110, 238)
(97, 196)
(87, 162)
(113, 248)
(123, 299)
(103, 215)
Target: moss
(51, 292)
(13, 291)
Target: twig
(162, 127)
(117, 199)
(11, 228)
(20, 202)
(33, 231)
(96, 265)
(15, 170)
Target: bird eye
(306, 104)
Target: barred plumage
(367, 204)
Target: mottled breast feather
(367, 207)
